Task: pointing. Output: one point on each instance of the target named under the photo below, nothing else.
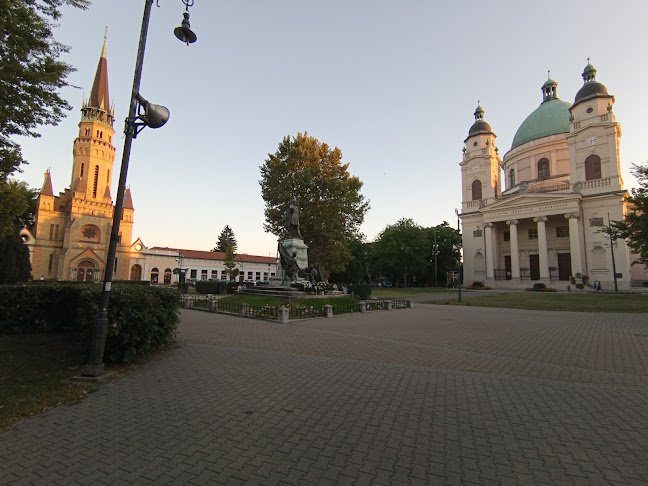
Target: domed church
(562, 185)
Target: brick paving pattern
(430, 395)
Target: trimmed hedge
(142, 318)
(361, 291)
(211, 287)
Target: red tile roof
(217, 255)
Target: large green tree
(226, 239)
(400, 251)
(331, 206)
(31, 73)
(447, 260)
(230, 264)
(635, 225)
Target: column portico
(574, 243)
(515, 250)
(542, 247)
(490, 261)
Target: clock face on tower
(591, 141)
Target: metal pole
(95, 366)
(436, 268)
(459, 260)
(612, 240)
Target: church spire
(99, 95)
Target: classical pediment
(531, 205)
(87, 254)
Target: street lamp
(458, 248)
(141, 114)
(612, 235)
(435, 252)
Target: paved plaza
(429, 395)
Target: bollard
(213, 305)
(389, 304)
(410, 304)
(243, 309)
(328, 310)
(362, 306)
(283, 315)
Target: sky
(393, 84)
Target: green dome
(550, 118)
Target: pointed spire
(99, 95)
(47, 185)
(128, 200)
(107, 193)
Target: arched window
(96, 181)
(85, 272)
(476, 190)
(543, 169)
(167, 276)
(592, 168)
(136, 272)
(154, 275)
(511, 178)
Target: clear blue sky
(393, 84)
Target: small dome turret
(480, 126)
(549, 89)
(591, 88)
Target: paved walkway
(430, 395)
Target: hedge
(211, 287)
(141, 318)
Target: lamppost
(180, 260)
(458, 248)
(613, 237)
(141, 114)
(435, 252)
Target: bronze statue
(288, 264)
(291, 221)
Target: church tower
(480, 167)
(72, 230)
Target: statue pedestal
(298, 247)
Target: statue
(311, 274)
(291, 221)
(289, 265)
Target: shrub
(183, 287)
(477, 285)
(211, 287)
(361, 291)
(141, 318)
(232, 286)
(539, 286)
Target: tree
(331, 206)
(30, 73)
(448, 258)
(635, 225)
(225, 240)
(357, 268)
(17, 210)
(229, 263)
(400, 250)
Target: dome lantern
(549, 89)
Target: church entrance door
(534, 266)
(85, 272)
(564, 266)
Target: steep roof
(47, 185)
(128, 200)
(99, 94)
(217, 255)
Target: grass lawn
(35, 372)
(557, 302)
(404, 293)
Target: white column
(574, 243)
(515, 250)
(490, 262)
(542, 247)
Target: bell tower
(480, 167)
(94, 153)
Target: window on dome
(543, 169)
(512, 178)
(476, 190)
(592, 168)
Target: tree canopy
(331, 206)
(31, 73)
(230, 264)
(226, 239)
(635, 225)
